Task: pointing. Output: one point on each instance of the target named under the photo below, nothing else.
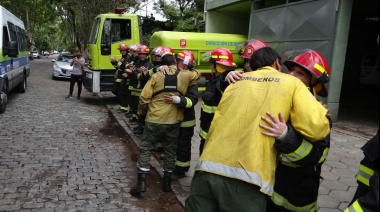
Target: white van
(14, 56)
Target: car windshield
(65, 57)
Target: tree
(182, 15)
(65, 24)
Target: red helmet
(143, 49)
(221, 56)
(157, 50)
(122, 47)
(166, 50)
(247, 48)
(187, 57)
(316, 64)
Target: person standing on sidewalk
(366, 197)
(161, 120)
(121, 83)
(76, 75)
(236, 169)
(185, 62)
(128, 73)
(220, 60)
(141, 72)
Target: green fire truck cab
(107, 33)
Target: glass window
(94, 31)
(272, 3)
(106, 38)
(12, 31)
(5, 40)
(120, 30)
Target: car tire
(21, 88)
(4, 99)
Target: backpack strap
(170, 84)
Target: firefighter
(220, 60)
(141, 73)
(185, 61)
(246, 49)
(156, 54)
(366, 197)
(130, 69)
(134, 57)
(298, 171)
(161, 120)
(121, 83)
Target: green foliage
(182, 15)
(66, 24)
(150, 25)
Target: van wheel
(3, 99)
(21, 88)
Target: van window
(21, 39)
(5, 40)
(12, 31)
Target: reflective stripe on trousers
(281, 201)
(364, 174)
(355, 207)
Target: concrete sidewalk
(338, 172)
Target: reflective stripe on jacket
(235, 146)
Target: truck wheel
(21, 88)
(3, 99)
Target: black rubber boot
(140, 188)
(167, 182)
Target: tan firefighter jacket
(154, 107)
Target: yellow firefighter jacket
(235, 146)
(154, 107)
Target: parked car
(61, 67)
(46, 53)
(36, 54)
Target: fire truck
(111, 29)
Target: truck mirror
(12, 49)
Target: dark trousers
(75, 79)
(134, 104)
(184, 149)
(123, 95)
